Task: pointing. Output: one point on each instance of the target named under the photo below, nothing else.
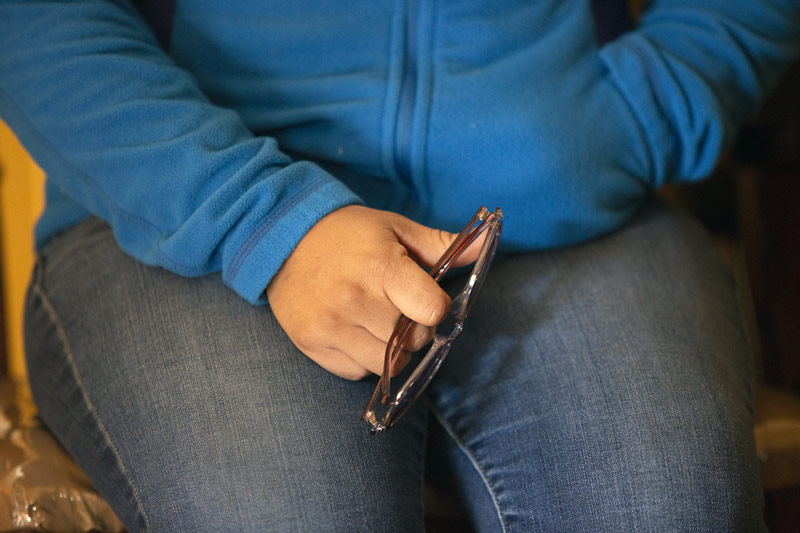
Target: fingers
(350, 277)
(339, 363)
(430, 244)
(365, 353)
(382, 323)
(415, 293)
(418, 337)
(364, 348)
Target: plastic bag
(41, 488)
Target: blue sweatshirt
(214, 137)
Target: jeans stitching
(38, 290)
(474, 461)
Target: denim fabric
(601, 387)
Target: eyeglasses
(459, 309)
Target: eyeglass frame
(460, 306)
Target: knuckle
(386, 268)
(396, 255)
(379, 268)
(326, 322)
(313, 334)
(305, 340)
(348, 296)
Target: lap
(596, 385)
(607, 384)
(209, 418)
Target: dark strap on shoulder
(159, 15)
(612, 18)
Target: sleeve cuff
(261, 255)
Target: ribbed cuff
(261, 255)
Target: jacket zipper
(408, 90)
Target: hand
(341, 291)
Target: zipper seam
(407, 98)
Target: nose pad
(458, 304)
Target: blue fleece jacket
(220, 146)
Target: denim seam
(424, 166)
(62, 334)
(474, 461)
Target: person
(241, 200)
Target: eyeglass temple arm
(471, 231)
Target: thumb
(429, 244)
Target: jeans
(600, 387)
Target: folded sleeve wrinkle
(127, 133)
(695, 71)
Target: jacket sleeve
(696, 70)
(128, 134)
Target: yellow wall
(21, 201)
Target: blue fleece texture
(221, 151)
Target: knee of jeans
(693, 472)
